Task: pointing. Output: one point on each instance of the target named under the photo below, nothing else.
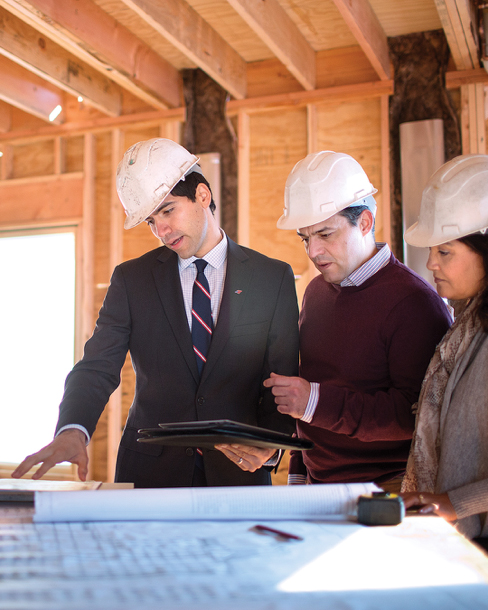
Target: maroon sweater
(368, 346)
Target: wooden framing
(473, 126)
(188, 32)
(22, 44)
(272, 24)
(244, 175)
(28, 92)
(459, 24)
(84, 29)
(367, 30)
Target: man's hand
(430, 503)
(247, 458)
(291, 394)
(69, 446)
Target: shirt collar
(370, 267)
(215, 258)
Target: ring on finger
(239, 461)
(422, 499)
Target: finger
(26, 465)
(277, 380)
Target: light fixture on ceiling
(55, 113)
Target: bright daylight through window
(37, 317)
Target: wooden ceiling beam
(364, 24)
(277, 30)
(184, 28)
(458, 18)
(23, 45)
(92, 35)
(28, 92)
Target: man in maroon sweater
(368, 328)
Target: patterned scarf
(423, 461)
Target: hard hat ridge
(322, 184)
(148, 172)
(454, 202)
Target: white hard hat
(321, 185)
(454, 203)
(148, 172)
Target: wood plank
(367, 30)
(243, 175)
(23, 45)
(273, 25)
(188, 32)
(5, 117)
(6, 162)
(385, 233)
(88, 32)
(45, 200)
(343, 93)
(29, 92)
(459, 24)
(473, 127)
(458, 78)
(360, 91)
(344, 66)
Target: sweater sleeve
(411, 332)
(470, 499)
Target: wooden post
(473, 129)
(385, 169)
(244, 175)
(88, 248)
(114, 424)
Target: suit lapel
(237, 282)
(168, 285)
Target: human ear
(203, 195)
(366, 221)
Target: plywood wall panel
(278, 140)
(36, 159)
(355, 129)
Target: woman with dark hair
(447, 470)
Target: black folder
(219, 432)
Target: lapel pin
(238, 291)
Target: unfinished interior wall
(420, 62)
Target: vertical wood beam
(243, 179)
(171, 130)
(114, 424)
(88, 247)
(7, 162)
(473, 127)
(385, 168)
(59, 155)
(5, 117)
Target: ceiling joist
(183, 27)
(28, 92)
(84, 29)
(273, 25)
(458, 18)
(364, 24)
(23, 45)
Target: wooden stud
(59, 155)
(23, 45)
(179, 23)
(459, 24)
(29, 92)
(92, 35)
(385, 169)
(244, 174)
(367, 30)
(277, 30)
(6, 162)
(114, 424)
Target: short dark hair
(188, 187)
(353, 213)
(478, 242)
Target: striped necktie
(202, 325)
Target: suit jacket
(143, 312)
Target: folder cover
(218, 432)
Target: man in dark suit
(148, 311)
